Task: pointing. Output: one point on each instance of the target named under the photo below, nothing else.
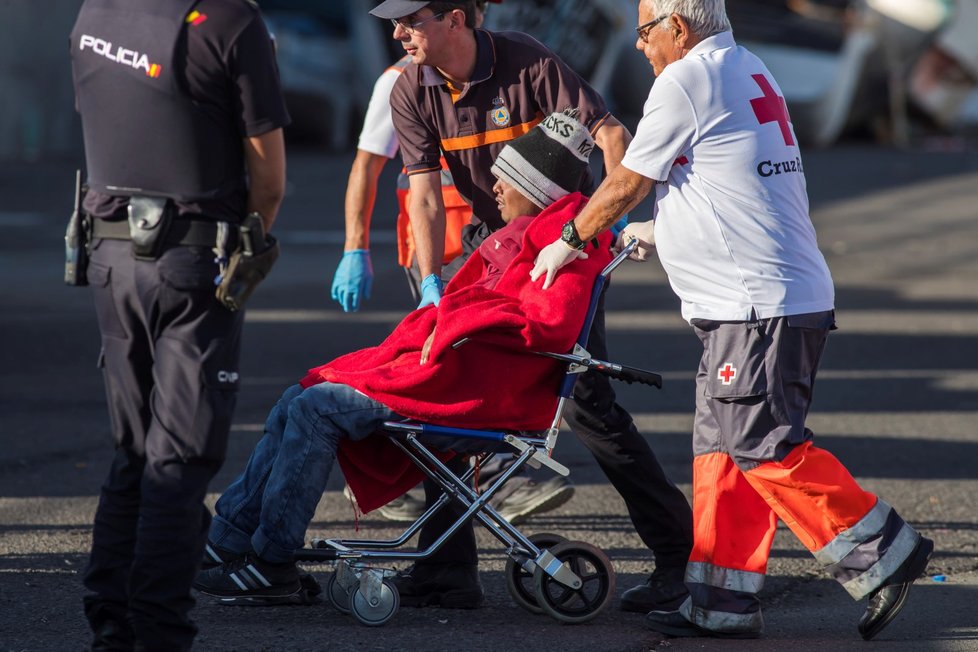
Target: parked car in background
(844, 66)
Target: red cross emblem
(771, 108)
(727, 373)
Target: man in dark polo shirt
(182, 114)
(465, 95)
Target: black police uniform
(167, 91)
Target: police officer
(182, 115)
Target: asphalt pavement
(897, 401)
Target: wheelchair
(571, 581)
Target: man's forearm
(612, 138)
(619, 193)
(426, 208)
(361, 193)
(265, 160)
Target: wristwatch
(569, 235)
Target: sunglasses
(411, 28)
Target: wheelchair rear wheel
(519, 582)
(576, 604)
(338, 596)
(379, 611)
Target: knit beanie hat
(549, 161)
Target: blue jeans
(268, 507)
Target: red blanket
(489, 382)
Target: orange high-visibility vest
(458, 213)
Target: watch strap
(570, 235)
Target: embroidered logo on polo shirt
(726, 373)
(499, 114)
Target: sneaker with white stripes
(250, 577)
(215, 556)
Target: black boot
(453, 586)
(664, 590)
(113, 636)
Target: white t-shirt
(732, 228)
(377, 135)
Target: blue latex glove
(619, 226)
(431, 288)
(354, 277)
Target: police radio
(76, 241)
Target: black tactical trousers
(170, 362)
(658, 509)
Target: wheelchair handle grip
(629, 374)
(610, 369)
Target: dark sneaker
(452, 586)
(250, 577)
(888, 600)
(215, 556)
(673, 623)
(665, 590)
(534, 498)
(404, 509)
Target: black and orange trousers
(755, 463)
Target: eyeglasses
(411, 28)
(643, 30)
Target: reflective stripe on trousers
(863, 556)
(733, 530)
(723, 599)
(859, 539)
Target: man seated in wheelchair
(416, 373)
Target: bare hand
(426, 349)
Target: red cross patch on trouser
(726, 373)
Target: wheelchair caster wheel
(378, 609)
(338, 596)
(580, 603)
(519, 582)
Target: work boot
(534, 498)
(452, 586)
(664, 590)
(887, 601)
(113, 636)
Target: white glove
(551, 258)
(643, 232)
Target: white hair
(705, 17)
